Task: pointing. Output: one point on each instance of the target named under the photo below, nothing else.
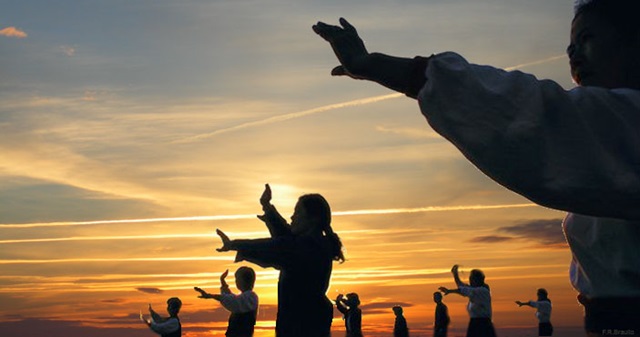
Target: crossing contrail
(284, 117)
(253, 216)
(362, 101)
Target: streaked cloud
(546, 232)
(150, 290)
(491, 239)
(13, 32)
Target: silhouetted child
(441, 324)
(400, 328)
(351, 313)
(543, 304)
(303, 252)
(166, 326)
(243, 307)
(479, 306)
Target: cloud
(545, 232)
(491, 239)
(13, 32)
(150, 290)
(67, 50)
(382, 307)
(56, 328)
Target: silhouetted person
(400, 327)
(166, 326)
(573, 150)
(479, 306)
(243, 307)
(351, 313)
(441, 324)
(304, 253)
(543, 312)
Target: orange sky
(132, 130)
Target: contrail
(356, 102)
(281, 118)
(534, 63)
(138, 259)
(253, 216)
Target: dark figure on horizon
(351, 313)
(441, 324)
(543, 312)
(574, 150)
(243, 307)
(400, 327)
(479, 306)
(166, 326)
(304, 253)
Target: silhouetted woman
(479, 306)
(543, 312)
(304, 253)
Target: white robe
(575, 150)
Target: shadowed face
(301, 222)
(598, 54)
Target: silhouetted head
(173, 306)
(353, 300)
(397, 310)
(476, 278)
(245, 278)
(437, 297)
(543, 295)
(605, 44)
(312, 216)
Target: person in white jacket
(543, 312)
(575, 150)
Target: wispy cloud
(491, 239)
(150, 290)
(357, 102)
(134, 259)
(252, 216)
(13, 32)
(284, 117)
(547, 232)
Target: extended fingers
(347, 26)
(326, 31)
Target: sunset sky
(131, 130)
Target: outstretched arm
(448, 291)
(528, 303)
(404, 75)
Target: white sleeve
(245, 302)
(168, 326)
(533, 304)
(465, 291)
(576, 150)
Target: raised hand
(454, 269)
(223, 282)
(348, 47)
(444, 290)
(225, 241)
(265, 198)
